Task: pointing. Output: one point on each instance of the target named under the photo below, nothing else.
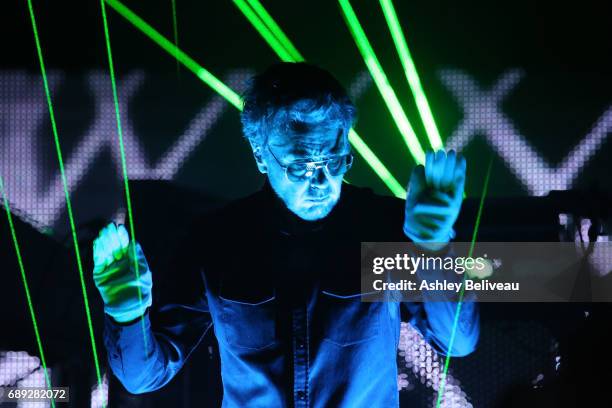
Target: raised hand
(115, 274)
(435, 193)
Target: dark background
(561, 52)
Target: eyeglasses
(302, 170)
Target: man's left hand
(435, 193)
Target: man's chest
(270, 293)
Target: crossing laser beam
(111, 67)
(382, 82)
(211, 80)
(233, 98)
(412, 74)
(60, 160)
(267, 34)
(379, 168)
(267, 19)
(356, 141)
(26, 287)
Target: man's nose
(320, 178)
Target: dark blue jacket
(282, 297)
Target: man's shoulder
(233, 213)
(365, 196)
(374, 217)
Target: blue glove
(115, 276)
(435, 194)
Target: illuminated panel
(418, 361)
(99, 393)
(19, 369)
(37, 191)
(24, 280)
(484, 116)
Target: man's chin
(313, 216)
(313, 211)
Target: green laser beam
(175, 32)
(205, 75)
(382, 82)
(480, 207)
(376, 165)
(412, 74)
(267, 19)
(458, 311)
(261, 28)
(60, 160)
(362, 148)
(111, 67)
(26, 287)
(232, 97)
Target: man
(277, 274)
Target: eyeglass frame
(318, 164)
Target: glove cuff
(449, 236)
(123, 315)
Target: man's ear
(258, 155)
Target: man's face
(313, 198)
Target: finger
(101, 233)
(440, 197)
(115, 244)
(103, 247)
(429, 162)
(436, 197)
(429, 227)
(417, 183)
(434, 224)
(124, 238)
(449, 171)
(142, 261)
(438, 168)
(459, 176)
(106, 245)
(97, 253)
(431, 209)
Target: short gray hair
(296, 97)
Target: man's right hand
(115, 274)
